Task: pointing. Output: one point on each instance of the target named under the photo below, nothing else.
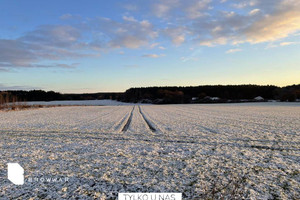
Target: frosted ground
(203, 151)
(104, 102)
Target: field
(204, 151)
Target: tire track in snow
(121, 123)
(126, 126)
(204, 128)
(150, 125)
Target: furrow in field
(98, 120)
(199, 128)
(88, 136)
(236, 123)
(248, 121)
(126, 126)
(120, 124)
(148, 122)
(138, 127)
(64, 119)
(248, 115)
(175, 123)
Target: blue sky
(92, 46)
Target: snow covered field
(203, 151)
(104, 102)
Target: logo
(150, 196)
(15, 173)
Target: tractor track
(126, 126)
(147, 121)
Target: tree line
(201, 94)
(160, 95)
(40, 95)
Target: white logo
(150, 196)
(15, 173)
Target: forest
(167, 95)
(211, 94)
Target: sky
(99, 46)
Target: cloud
(279, 25)
(69, 16)
(288, 43)
(163, 7)
(202, 22)
(15, 52)
(7, 66)
(128, 41)
(130, 7)
(44, 43)
(154, 45)
(233, 50)
(59, 42)
(67, 66)
(130, 33)
(178, 39)
(4, 69)
(194, 56)
(51, 35)
(215, 41)
(176, 34)
(4, 87)
(191, 9)
(253, 21)
(281, 44)
(244, 4)
(254, 11)
(196, 8)
(129, 19)
(153, 55)
(66, 16)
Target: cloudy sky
(92, 45)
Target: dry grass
(9, 102)
(23, 106)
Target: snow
(104, 102)
(259, 98)
(251, 147)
